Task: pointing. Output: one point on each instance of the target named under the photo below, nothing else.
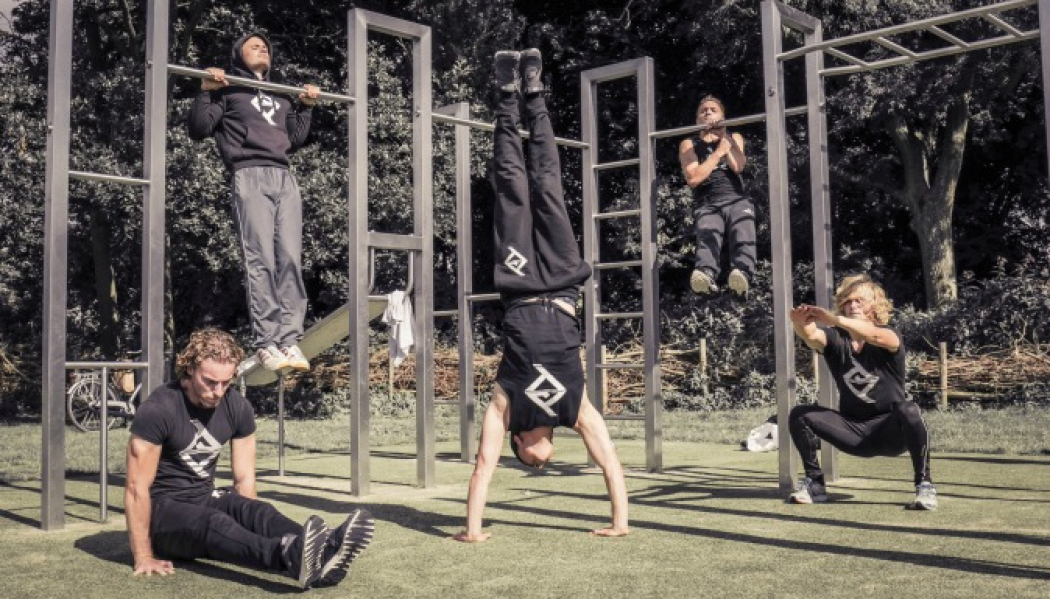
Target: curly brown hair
(207, 344)
(880, 304)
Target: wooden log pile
(991, 372)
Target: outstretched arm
(493, 430)
(206, 112)
(862, 330)
(143, 458)
(804, 321)
(591, 427)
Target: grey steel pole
(423, 225)
(1044, 53)
(56, 215)
(357, 202)
(153, 170)
(103, 447)
(780, 229)
(592, 335)
(654, 405)
(280, 425)
(820, 198)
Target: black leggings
(230, 528)
(889, 434)
(536, 251)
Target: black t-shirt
(869, 381)
(723, 183)
(191, 439)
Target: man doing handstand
(539, 383)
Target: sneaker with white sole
(738, 282)
(925, 496)
(507, 77)
(344, 545)
(296, 359)
(702, 283)
(302, 553)
(531, 69)
(272, 358)
(809, 491)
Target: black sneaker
(506, 63)
(531, 69)
(344, 545)
(302, 554)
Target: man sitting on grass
(172, 507)
(876, 417)
(539, 383)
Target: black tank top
(722, 183)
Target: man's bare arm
(493, 430)
(242, 460)
(143, 458)
(591, 427)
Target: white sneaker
(296, 359)
(738, 282)
(272, 358)
(702, 283)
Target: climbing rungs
(617, 315)
(625, 417)
(618, 214)
(392, 241)
(615, 365)
(612, 265)
(445, 313)
(99, 177)
(483, 297)
(617, 164)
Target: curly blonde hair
(207, 344)
(880, 304)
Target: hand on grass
(151, 566)
(465, 536)
(611, 532)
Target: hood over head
(237, 65)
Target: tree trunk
(105, 284)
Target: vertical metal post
(942, 368)
(153, 170)
(357, 52)
(592, 334)
(423, 225)
(650, 273)
(465, 282)
(280, 425)
(820, 198)
(780, 229)
(56, 215)
(1044, 53)
(103, 449)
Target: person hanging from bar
(539, 383)
(255, 130)
(876, 416)
(174, 510)
(712, 161)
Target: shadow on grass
(961, 564)
(112, 546)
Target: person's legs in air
(740, 239)
(710, 227)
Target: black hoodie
(251, 127)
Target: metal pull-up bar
(258, 84)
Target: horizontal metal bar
(733, 122)
(107, 178)
(618, 214)
(895, 47)
(618, 164)
(906, 27)
(393, 241)
(613, 366)
(931, 54)
(445, 313)
(625, 416)
(618, 315)
(619, 70)
(951, 39)
(101, 365)
(446, 402)
(614, 265)
(483, 297)
(258, 84)
(483, 126)
(846, 57)
(1001, 24)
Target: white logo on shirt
(266, 106)
(202, 451)
(516, 262)
(545, 398)
(860, 381)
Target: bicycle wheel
(84, 403)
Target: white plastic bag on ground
(762, 437)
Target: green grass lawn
(713, 523)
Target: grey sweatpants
(269, 214)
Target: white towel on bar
(398, 316)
